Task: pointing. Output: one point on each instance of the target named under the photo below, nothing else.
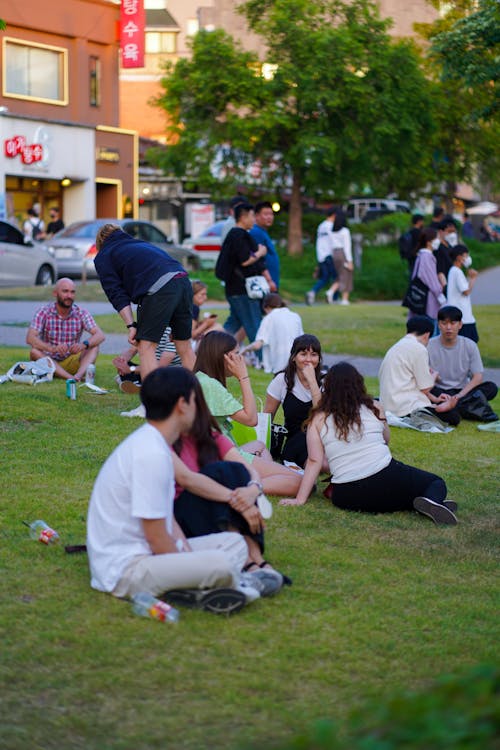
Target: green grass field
(379, 605)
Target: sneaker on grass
(438, 512)
(139, 411)
(222, 601)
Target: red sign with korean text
(132, 23)
(29, 152)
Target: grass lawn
(379, 604)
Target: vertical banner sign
(132, 23)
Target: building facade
(61, 141)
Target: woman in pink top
(425, 269)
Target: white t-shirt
(135, 482)
(457, 285)
(277, 331)
(342, 239)
(277, 389)
(362, 455)
(403, 374)
(324, 244)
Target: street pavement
(16, 315)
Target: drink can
(71, 389)
(90, 374)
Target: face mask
(452, 239)
(467, 262)
(435, 243)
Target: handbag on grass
(256, 287)
(415, 298)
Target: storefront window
(33, 71)
(95, 81)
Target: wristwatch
(133, 368)
(131, 325)
(86, 344)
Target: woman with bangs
(297, 390)
(217, 359)
(350, 429)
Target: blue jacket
(128, 268)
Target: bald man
(56, 330)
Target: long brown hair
(344, 393)
(202, 430)
(301, 344)
(210, 354)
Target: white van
(359, 209)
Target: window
(35, 71)
(161, 41)
(94, 81)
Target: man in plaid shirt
(56, 329)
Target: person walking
(324, 250)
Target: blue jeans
(327, 274)
(244, 312)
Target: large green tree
(342, 108)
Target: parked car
(74, 246)
(207, 245)
(24, 263)
(358, 208)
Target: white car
(24, 263)
(207, 245)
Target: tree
(341, 110)
(463, 63)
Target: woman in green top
(217, 359)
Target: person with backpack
(409, 241)
(33, 227)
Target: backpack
(37, 231)
(406, 247)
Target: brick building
(59, 112)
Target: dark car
(24, 263)
(74, 246)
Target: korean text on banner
(132, 23)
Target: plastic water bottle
(90, 374)
(42, 532)
(147, 605)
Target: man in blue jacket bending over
(131, 270)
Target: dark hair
(416, 218)
(210, 354)
(344, 393)
(273, 300)
(340, 219)
(450, 312)
(438, 211)
(202, 430)
(262, 204)
(448, 221)
(420, 324)
(240, 209)
(331, 211)
(426, 235)
(301, 344)
(162, 389)
(454, 252)
(237, 200)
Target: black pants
(392, 489)
(199, 517)
(453, 416)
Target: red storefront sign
(132, 23)
(29, 152)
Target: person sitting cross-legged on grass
(134, 543)
(350, 428)
(205, 450)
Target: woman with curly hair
(350, 429)
(297, 390)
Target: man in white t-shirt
(458, 362)
(405, 377)
(324, 254)
(134, 543)
(459, 289)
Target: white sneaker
(139, 411)
(245, 588)
(329, 296)
(344, 302)
(310, 298)
(264, 506)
